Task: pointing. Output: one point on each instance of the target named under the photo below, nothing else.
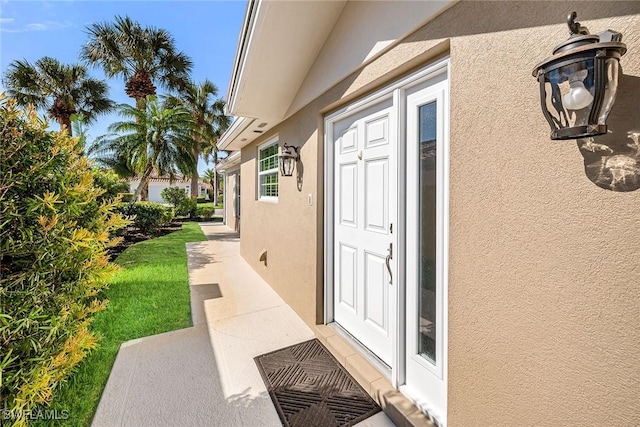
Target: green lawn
(211, 205)
(149, 296)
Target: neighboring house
(157, 184)
(468, 258)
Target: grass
(149, 296)
(211, 205)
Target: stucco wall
(286, 229)
(156, 187)
(544, 280)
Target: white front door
(387, 188)
(365, 207)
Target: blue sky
(207, 31)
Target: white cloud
(34, 26)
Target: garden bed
(132, 235)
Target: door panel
(348, 194)
(363, 211)
(348, 141)
(377, 195)
(377, 132)
(347, 273)
(376, 303)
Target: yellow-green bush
(110, 182)
(53, 262)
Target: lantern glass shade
(288, 160)
(578, 84)
(569, 95)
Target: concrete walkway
(205, 375)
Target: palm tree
(142, 56)
(210, 122)
(63, 90)
(106, 156)
(154, 139)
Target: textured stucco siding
(287, 229)
(544, 279)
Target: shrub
(126, 197)
(147, 217)
(187, 207)
(201, 200)
(111, 183)
(220, 199)
(205, 212)
(174, 195)
(53, 239)
(183, 204)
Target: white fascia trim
(239, 125)
(232, 160)
(243, 46)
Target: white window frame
(275, 140)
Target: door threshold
(367, 354)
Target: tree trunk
(143, 188)
(65, 123)
(195, 153)
(144, 183)
(141, 103)
(194, 185)
(144, 194)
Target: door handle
(388, 262)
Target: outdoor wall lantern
(288, 159)
(578, 84)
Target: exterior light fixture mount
(578, 83)
(288, 159)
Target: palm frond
(125, 48)
(61, 89)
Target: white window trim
(271, 199)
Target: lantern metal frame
(288, 159)
(579, 50)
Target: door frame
(396, 90)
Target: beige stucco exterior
(544, 264)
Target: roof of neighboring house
(176, 179)
(289, 53)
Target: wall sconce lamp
(578, 84)
(288, 159)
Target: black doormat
(310, 388)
